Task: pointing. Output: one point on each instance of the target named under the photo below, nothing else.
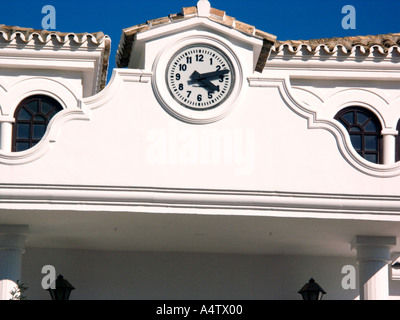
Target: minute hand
(208, 75)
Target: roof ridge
(383, 41)
(9, 33)
(216, 15)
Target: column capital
(14, 228)
(375, 248)
(7, 119)
(12, 246)
(373, 241)
(389, 131)
(13, 236)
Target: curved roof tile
(219, 16)
(9, 33)
(383, 42)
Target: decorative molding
(323, 118)
(118, 76)
(64, 94)
(199, 201)
(174, 108)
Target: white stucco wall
(117, 157)
(156, 275)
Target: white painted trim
(199, 201)
(68, 97)
(171, 105)
(191, 23)
(322, 117)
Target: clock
(200, 77)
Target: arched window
(32, 117)
(365, 132)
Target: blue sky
(287, 19)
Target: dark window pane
(23, 131)
(343, 123)
(356, 141)
(349, 117)
(52, 113)
(24, 115)
(355, 129)
(361, 118)
(371, 157)
(46, 107)
(33, 106)
(39, 118)
(371, 143)
(371, 127)
(21, 146)
(39, 130)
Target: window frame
(378, 133)
(32, 122)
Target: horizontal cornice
(207, 201)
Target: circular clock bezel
(171, 105)
(188, 103)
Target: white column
(389, 145)
(12, 246)
(6, 134)
(373, 257)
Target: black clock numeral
(188, 94)
(199, 58)
(178, 76)
(182, 67)
(188, 60)
(199, 97)
(210, 95)
(218, 68)
(211, 61)
(181, 86)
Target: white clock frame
(172, 106)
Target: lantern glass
(62, 289)
(312, 291)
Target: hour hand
(198, 77)
(209, 75)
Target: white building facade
(217, 163)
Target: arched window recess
(365, 132)
(32, 117)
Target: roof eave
(129, 35)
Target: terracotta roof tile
(219, 16)
(189, 11)
(9, 33)
(383, 42)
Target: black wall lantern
(62, 291)
(312, 291)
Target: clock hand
(210, 85)
(199, 78)
(215, 74)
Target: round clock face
(200, 77)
